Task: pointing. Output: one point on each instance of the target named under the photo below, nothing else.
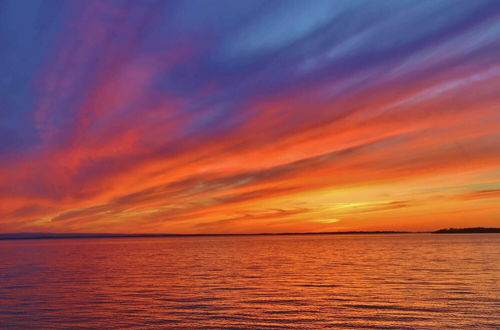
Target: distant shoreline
(28, 236)
(475, 230)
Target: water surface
(352, 281)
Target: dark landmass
(475, 230)
(19, 236)
(15, 236)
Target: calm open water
(356, 281)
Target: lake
(326, 281)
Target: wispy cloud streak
(248, 116)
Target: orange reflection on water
(412, 280)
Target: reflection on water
(389, 281)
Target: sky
(249, 116)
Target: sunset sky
(249, 116)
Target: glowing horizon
(249, 116)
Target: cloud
(480, 194)
(135, 116)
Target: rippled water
(355, 281)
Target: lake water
(352, 281)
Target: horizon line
(42, 235)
